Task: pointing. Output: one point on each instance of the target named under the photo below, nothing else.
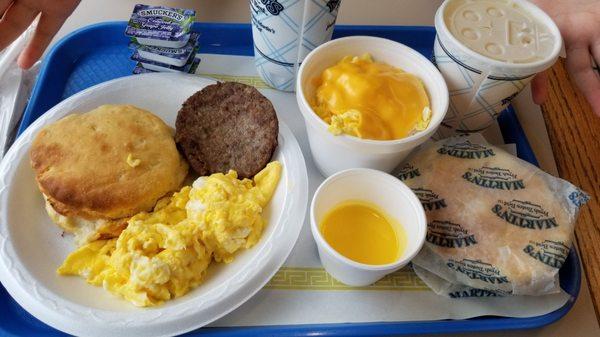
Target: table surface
(567, 137)
(573, 131)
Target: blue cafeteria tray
(99, 53)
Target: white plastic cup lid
(502, 30)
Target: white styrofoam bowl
(335, 153)
(31, 247)
(383, 190)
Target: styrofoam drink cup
(284, 32)
(383, 190)
(488, 51)
(333, 153)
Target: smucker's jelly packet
(189, 67)
(495, 222)
(160, 26)
(172, 56)
(139, 69)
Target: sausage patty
(225, 126)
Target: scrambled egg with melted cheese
(164, 254)
(371, 100)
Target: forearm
(579, 24)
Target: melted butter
(371, 100)
(364, 233)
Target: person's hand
(17, 15)
(579, 24)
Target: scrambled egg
(84, 230)
(228, 210)
(165, 253)
(371, 100)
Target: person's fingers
(579, 65)
(16, 19)
(4, 5)
(539, 88)
(595, 49)
(47, 27)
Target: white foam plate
(31, 247)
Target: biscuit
(110, 163)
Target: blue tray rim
(485, 323)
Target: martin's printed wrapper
(495, 222)
(445, 288)
(160, 26)
(284, 32)
(172, 56)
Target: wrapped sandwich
(495, 222)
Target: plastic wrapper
(495, 222)
(443, 287)
(15, 87)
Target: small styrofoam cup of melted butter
(333, 153)
(349, 243)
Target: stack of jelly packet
(161, 39)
